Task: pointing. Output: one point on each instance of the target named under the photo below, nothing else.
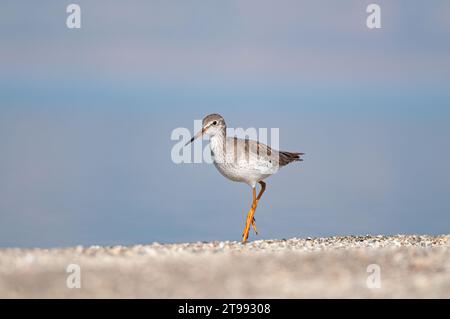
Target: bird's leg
(250, 216)
(254, 226)
(261, 192)
(251, 213)
(263, 189)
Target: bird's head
(211, 125)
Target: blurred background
(86, 117)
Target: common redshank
(243, 160)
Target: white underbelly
(237, 167)
(240, 174)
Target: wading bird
(243, 160)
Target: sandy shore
(409, 266)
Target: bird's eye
(215, 123)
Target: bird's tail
(288, 157)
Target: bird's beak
(199, 134)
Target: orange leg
(251, 214)
(261, 192)
(263, 189)
(254, 226)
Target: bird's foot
(254, 226)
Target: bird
(243, 160)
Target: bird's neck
(218, 144)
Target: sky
(86, 117)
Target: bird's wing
(252, 155)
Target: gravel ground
(334, 267)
